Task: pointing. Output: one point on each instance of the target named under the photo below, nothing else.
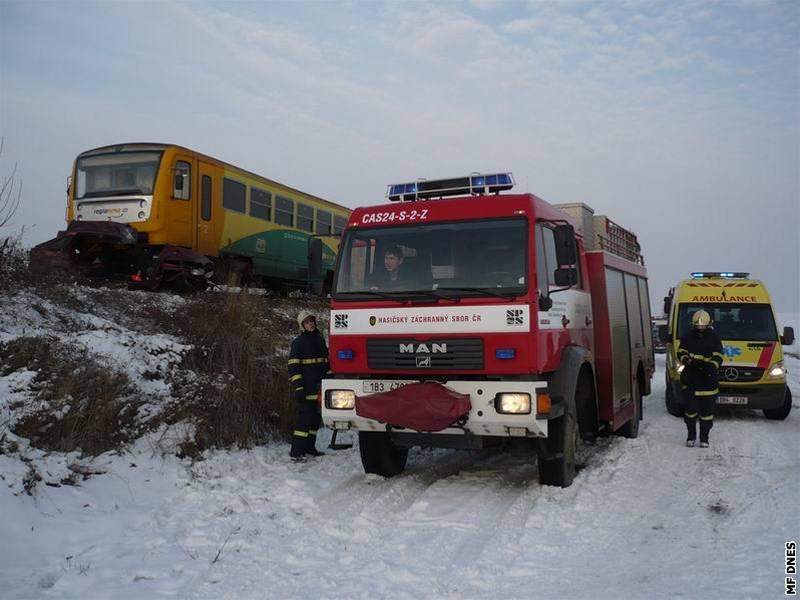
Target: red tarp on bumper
(418, 406)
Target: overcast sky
(680, 121)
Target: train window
(260, 204)
(183, 181)
(324, 223)
(305, 217)
(233, 195)
(339, 224)
(284, 211)
(205, 198)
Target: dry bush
(79, 403)
(242, 396)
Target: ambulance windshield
(745, 322)
(464, 258)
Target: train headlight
(340, 399)
(513, 403)
(777, 371)
(141, 214)
(142, 203)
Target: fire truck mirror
(315, 258)
(787, 339)
(566, 276)
(667, 304)
(566, 251)
(545, 303)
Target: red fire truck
(464, 317)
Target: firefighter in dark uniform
(700, 352)
(308, 364)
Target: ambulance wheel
(673, 407)
(631, 428)
(780, 413)
(556, 453)
(379, 454)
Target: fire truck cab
(464, 317)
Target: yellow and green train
(134, 202)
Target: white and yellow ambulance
(753, 373)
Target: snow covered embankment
(645, 518)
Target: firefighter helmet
(701, 320)
(303, 315)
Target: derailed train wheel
(380, 455)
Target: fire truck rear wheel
(380, 455)
(631, 428)
(557, 453)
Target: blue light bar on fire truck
(724, 274)
(474, 184)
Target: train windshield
(746, 322)
(467, 258)
(117, 174)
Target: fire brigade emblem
(372, 321)
(514, 316)
(340, 322)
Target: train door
(178, 213)
(206, 211)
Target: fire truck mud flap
(418, 406)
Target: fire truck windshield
(466, 258)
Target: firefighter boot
(706, 423)
(691, 428)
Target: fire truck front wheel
(380, 455)
(556, 455)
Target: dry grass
(242, 396)
(79, 403)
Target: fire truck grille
(408, 354)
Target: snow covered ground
(645, 518)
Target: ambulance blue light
(345, 354)
(731, 275)
(505, 353)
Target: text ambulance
(752, 374)
(465, 318)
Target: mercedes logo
(731, 374)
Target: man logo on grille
(514, 316)
(340, 322)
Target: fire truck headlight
(513, 403)
(340, 399)
(777, 371)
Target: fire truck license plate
(373, 386)
(731, 399)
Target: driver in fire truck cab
(393, 274)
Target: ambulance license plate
(731, 399)
(376, 386)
